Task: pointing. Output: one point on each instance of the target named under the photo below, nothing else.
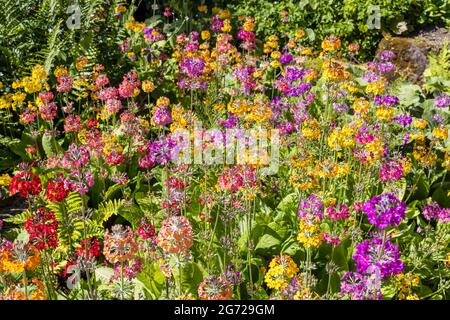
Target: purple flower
(385, 67)
(391, 170)
(384, 210)
(387, 55)
(375, 254)
(286, 127)
(438, 118)
(76, 157)
(193, 67)
(162, 116)
(406, 139)
(231, 121)
(403, 120)
(442, 101)
(387, 100)
(340, 107)
(294, 73)
(310, 206)
(356, 287)
(432, 211)
(216, 24)
(286, 58)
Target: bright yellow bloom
(310, 129)
(361, 106)
(162, 101)
(310, 234)
(38, 72)
(226, 26)
(331, 43)
(120, 9)
(420, 123)
(60, 71)
(440, 133)
(5, 180)
(148, 86)
(385, 113)
(205, 35)
(300, 33)
(281, 270)
(376, 87)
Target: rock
(411, 52)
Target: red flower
(25, 183)
(93, 248)
(57, 190)
(115, 158)
(42, 228)
(146, 231)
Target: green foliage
(346, 19)
(42, 37)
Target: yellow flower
(310, 129)
(420, 123)
(60, 71)
(205, 35)
(226, 26)
(281, 270)
(5, 180)
(331, 43)
(148, 86)
(306, 294)
(385, 113)
(310, 235)
(275, 55)
(38, 72)
(275, 64)
(120, 9)
(333, 71)
(310, 76)
(224, 14)
(202, 8)
(162, 101)
(249, 24)
(361, 105)
(440, 133)
(306, 52)
(300, 33)
(81, 62)
(376, 87)
(375, 149)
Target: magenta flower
(384, 210)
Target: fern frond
(107, 209)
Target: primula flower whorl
(43, 229)
(385, 210)
(120, 244)
(215, 288)
(175, 235)
(26, 183)
(281, 270)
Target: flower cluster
(384, 210)
(43, 229)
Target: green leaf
(268, 244)
(19, 218)
(409, 94)
(288, 202)
(51, 146)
